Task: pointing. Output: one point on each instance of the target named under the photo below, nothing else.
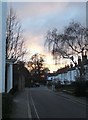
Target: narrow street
(44, 103)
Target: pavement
(21, 103)
(21, 107)
(81, 100)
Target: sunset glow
(38, 18)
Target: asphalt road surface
(45, 103)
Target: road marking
(34, 106)
(29, 111)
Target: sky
(39, 17)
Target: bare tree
(14, 39)
(37, 68)
(36, 62)
(72, 42)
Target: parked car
(37, 84)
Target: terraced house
(69, 73)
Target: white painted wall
(0, 48)
(69, 75)
(9, 77)
(2, 45)
(0, 62)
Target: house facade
(69, 73)
(9, 75)
(64, 74)
(6, 66)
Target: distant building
(69, 73)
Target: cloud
(46, 0)
(33, 9)
(38, 18)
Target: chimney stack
(84, 58)
(79, 60)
